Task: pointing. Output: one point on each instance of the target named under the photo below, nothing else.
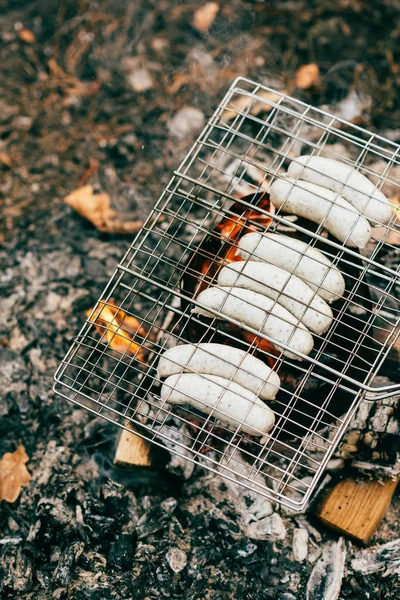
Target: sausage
(225, 361)
(295, 256)
(352, 185)
(322, 206)
(280, 285)
(260, 313)
(221, 398)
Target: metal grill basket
(250, 139)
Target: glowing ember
(118, 329)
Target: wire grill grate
(217, 192)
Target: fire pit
(216, 197)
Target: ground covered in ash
(91, 92)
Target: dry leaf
(243, 102)
(96, 208)
(13, 474)
(5, 159)
(27, 36)
(180, 79)
(204, 17)
(307, 76)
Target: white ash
(314, 534)
(269, 528)
(176, 559)
(325, 581)
(352, 107)
(176, 440)
(256, 517)
(378, 469)
(295, 492)
(385, 559)
(244, 178)
(186, 122)
(300, 544)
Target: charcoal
(155, 519)
(121, 552)
(326, 578)
(100, 592)
(67, 562)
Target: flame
(118, 329)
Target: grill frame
(275, 105)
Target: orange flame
(119, 329)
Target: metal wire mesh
(111, 367)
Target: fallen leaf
(307, 76)
(13, 474)
(5, 159)
(180, 79)
(204, 17)
(27, 36)
(84, 89)
(257, 106)
(96, 208)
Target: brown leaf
(5, 159)
(13, 474)
(96, 208)
(180, 80)
(204, 17)
(257, 106)
(307, 76)
(27, 36)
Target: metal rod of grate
(218, 194)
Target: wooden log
(132, 450)
(355, 507)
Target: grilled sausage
(322, 206)
(295, 256)
(221, 398)
(226, 361)
(346, 181)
